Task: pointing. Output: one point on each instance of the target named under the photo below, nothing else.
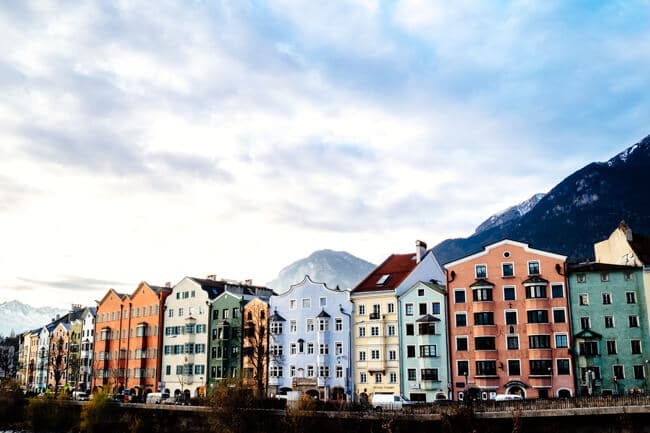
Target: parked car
(157, 398)
(80, 395)
(390, 402)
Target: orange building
(509, 323)
(255, 345)
(128, 340)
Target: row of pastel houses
(510, 319)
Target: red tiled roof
(398, 266)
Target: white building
(310, 341)
(42, 356)
(87, 344)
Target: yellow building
(375, 327)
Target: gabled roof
(215, 287)
(588, 334)
(488, 248)
(275, 317)
(389, 274)
(323, 315)
(482, 282)
(428, 318)
(535, 279)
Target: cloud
(72, 283)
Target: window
(638, 372)
(482, 294)
(588, 348)
(362, 331)
(391, 307)
(410, 329)
(382, 280)
(461, 319)
(461, 344)
(310, 371)
(584, 299)
(512, 342)
(619, 372)
(508, 293)
(362, 310)
(539, 341)
(310, 348)
(561, 341)
(338, 324)
(535, 292)
(484, 343)
(411, 374)
(423, 309)
(634, 321)
(292, 304)
(611, 347)
(323, 302)
(563, 367)
(276, 328)
(293, 326)
(593, 371)
(338, 348)
(324, 349)
(607, 298)
(374, 331)
(540, 367)
(339, 371)
(324, 371)
(409, 309)
(511, 317)
(362, 356)
(377, 377)
(486, 318)
(630, 297)
(428, 351)
(581, 278)
(392, 377)
(537, 316)
(391, 330)
(392, 355)
(363, 377)
(306, 303)
(557, 290)
(604, 276)
(459, 296)
(486, 368)
(507, 270)
(310, 325)
(585, 323)
(514, 367)
(636, 347)
(559, 315)
(420, 292)
(323, 325)
(410, 351)
(435, 308)
(533, 268)
(225, 313)
(481, 271)
(627, 275)
(463, 368)
(609, 321)
(429, 374)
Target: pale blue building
(309, 341)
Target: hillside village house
(309, 343)
(128, 340)
(376, 362)
(509, 323)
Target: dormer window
(382, 280)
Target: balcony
(374, 316)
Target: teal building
(424, 355)
(610, 329)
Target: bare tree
(59, 362)
(74, 370)
(255, 349)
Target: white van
(390, 402)
(157, 398)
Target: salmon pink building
(128, 339)
(509, 323)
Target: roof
(641, 246)
(397, 267)
(487, 248)
(323, 314)
(597, 267)
(535, 279)
(276, 317)
(482, 282)
(215, 287)
(427, 318)
(588, 334)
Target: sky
(148, 140)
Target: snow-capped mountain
(334, 268)
(582, 209)
(18, 317)
(513, 212)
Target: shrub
(99, 414)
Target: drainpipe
(348, 374)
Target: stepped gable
(389, 274)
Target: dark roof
(398, 266)
(428, 318)
(588, 333)
(482, 282)
(276, 317)
(535, 279)
(160, 289)
(641, 246)
(216, 287)
(323, 314)
(597, 267)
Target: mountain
(582, 209)
(512, 213)
(334, 268)
(19, 317)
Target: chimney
(212, 277)
(168, 284)
(248, 282)
(420, 250)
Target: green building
(610, 329)
(225, 336)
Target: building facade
(57, 376)
(255, 347)
(610, 328)
(87, 348)
(309, 342)
(424, 372)
(42, 357)
(376, 368)
(509, 323)
(226, 340)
